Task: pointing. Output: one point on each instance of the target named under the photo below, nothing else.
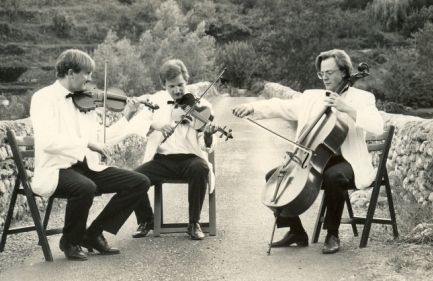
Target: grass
(402, 258)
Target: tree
(390, 13)
(171, 38)
(240, 58)
(125, 70)
(408, 80)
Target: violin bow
(105, 99)
(306, 149)
(195, 103)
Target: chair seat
(163, 228)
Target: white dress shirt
(192, 141)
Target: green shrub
(11, 49)
(12, 73)
(408, 78)
(390, 14)
(18, 108)
(240, 58)
(416, 19)
(62, 26)
(125, 69)
(390, 107)
(171, 38)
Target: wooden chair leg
(48, 211)
(212, 214)
(350, 211)
(391, 206)
(9, 215)
(39, 227)
(319, 223)
(157, 210)
(369, 218)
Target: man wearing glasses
(352, 167)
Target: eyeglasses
(328, 73)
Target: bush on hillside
(11, 49)
(62, 25)
(292, 38)
(18, 108)
(172, 39)
(408, 80)
(390, 14)
(125, 70)
(11, 74)
(240, 58)
(416, 19)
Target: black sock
(296, 226)
(333, 232)
(93, 231)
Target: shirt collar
(62, 91)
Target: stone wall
(409, 164)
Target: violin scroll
(363, 67)
(228, 134)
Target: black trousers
(174, 167)
(337, 177)
(80, 185)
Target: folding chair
(23, 147)
(381, 144)
(161, 227)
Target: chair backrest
(381, 143)
(22, 147)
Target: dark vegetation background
(257, 40)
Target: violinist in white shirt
(353, 167)
(174, 152)
(68, 144)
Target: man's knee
(84, 191)
(199, 167)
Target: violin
(296, 183)
(199, 115)
(92, 97)
(194, 115)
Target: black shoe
(143, 229)
(194, 231)
(332, 245)
(100, 244)
(72, 252)
(290, 238)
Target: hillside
(259, 40)
(33, 36)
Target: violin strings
(198, 115)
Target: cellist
(352, 167)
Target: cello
(296, 183)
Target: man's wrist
(207, 139)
